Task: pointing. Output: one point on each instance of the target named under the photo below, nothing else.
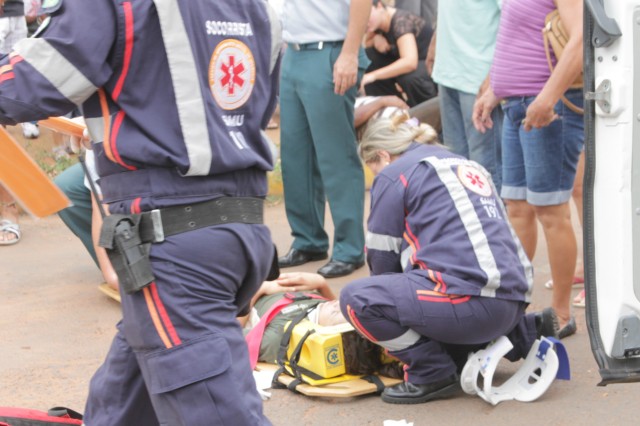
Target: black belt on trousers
(158, 224)
(315, 46)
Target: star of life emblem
(232, 73)
(474, 180)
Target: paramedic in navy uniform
(174, 94)
(446, 267)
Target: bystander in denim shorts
(539, 166)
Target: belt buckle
(307, 46)
(156, 221)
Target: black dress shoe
(408, 393)
(297, 257)
(547, 323)
(335, 268)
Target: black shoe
(547, 323)
(297, 257)
(568, 329)
(408, 393)
(335, 268)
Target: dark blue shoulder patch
(50, 6)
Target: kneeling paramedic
(175, 94)
(447, 269)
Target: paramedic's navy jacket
(190, 107)
(175, 94)
(465, 238)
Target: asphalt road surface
(56, 327)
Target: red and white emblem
(232, 74)
(474, 180)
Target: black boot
(336, 268)
(297, 257)
(547, 323)
(409, 393)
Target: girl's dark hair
(363, 357)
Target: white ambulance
(612, 186)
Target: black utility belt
(128, 238)
(158, 224)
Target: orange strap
(547, 47)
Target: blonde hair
(393, 134)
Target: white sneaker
(30, 130)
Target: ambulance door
(612, 186)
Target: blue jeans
(540, 165)
(462, 138)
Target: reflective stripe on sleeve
(61, 73)
(95, 127)
(471, 221)
(408, 339)
(182, 66)
(383, 242)
(405, 257)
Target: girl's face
(329, 314)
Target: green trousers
(78, 216)
(319, 154)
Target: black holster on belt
(128, 238)
(120, 236)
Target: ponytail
(394, 135)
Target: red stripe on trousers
(128, 48)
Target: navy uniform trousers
(421, 329)
(179, 357)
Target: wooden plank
(63, 125)
(110, 292)
(26, 181)
(346, 389)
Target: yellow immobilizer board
(26, 182)
(345, 389)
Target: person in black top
(397, 42)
